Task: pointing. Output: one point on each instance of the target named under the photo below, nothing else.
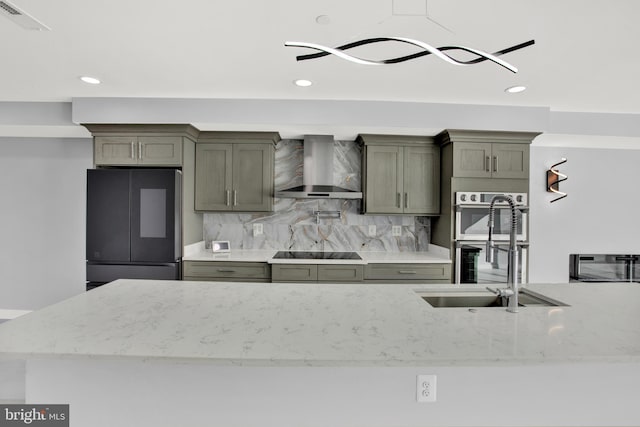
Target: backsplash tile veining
(292, 225)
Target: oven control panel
(484, 198)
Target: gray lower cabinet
(340, 273)
(408, 273)
(226, 271)
(236, 271)
(401, 175)
(235, 172)
(336, 273)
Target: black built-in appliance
(133, 224)
(604, 267)
(317, 255)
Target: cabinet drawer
(333, 273)
(215, 270)
(294, 273)
(340, 273)
(408, 272)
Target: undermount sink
(479, 298)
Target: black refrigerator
(133, 225)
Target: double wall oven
(472, 233)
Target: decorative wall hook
(554, 178)
(427, 49)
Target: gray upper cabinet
(383, 180)
(421, 180)
(138, 150)
(160, 151)
(213, 182)
(401, 175)
(472, 160)
(510, 161)
(491, 160)
(253, 177)
(483, 154)
(139, 145)
(115, 150)
(234, 171)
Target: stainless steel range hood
(318, 173)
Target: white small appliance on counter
(220, 246)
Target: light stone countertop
(435, 254)
(235, 255)
(257, 324)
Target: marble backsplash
(293, 225)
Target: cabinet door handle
(228, 197)
(406, 199)
(133, 151)
(140, 150)
(398, 200)
(495, 163)
(221, 270)
(235, 198)
(407, 272)
(486, 164)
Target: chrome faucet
(512, 262)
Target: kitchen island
(202, 353)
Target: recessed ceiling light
(515, 89)
(323, 20)
(90, 80)
(303, 83)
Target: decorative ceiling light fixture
(427, 50)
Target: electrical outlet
(372, 231)
(426, 388)
(396, 230)
(257, 229)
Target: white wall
(42, 225)
(600, 213)
(153, 393)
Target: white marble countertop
(235, 255)
(257, 324)
(434, 255)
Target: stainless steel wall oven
(472, 232)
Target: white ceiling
(584, 58)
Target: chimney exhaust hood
(318, 173)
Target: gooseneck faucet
(512, 263)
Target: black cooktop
(316, 255)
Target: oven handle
(462, 243)
(486, 206)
